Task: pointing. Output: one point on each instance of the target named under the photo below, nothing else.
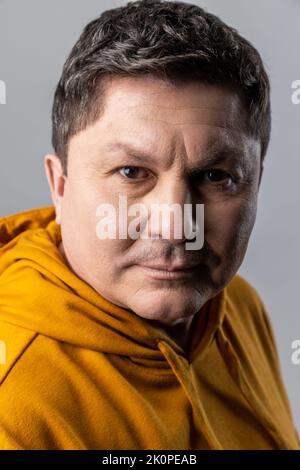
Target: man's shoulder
(248, 328)
(247, 318)
(244, 300)
(246, 312)
(240, 289)
(14, 224)
(14, 341)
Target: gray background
(35, 38)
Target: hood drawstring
(236, 371)
(181, 369)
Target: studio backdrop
(35, 38)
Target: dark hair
(166, 39)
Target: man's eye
(216, 176)
(133, 172)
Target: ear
(56, 181)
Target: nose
(171, 212)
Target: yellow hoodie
(77, 372)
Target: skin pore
(160, 143)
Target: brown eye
(216, 176)
(133, 172)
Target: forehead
(158, 116)
(188, 103)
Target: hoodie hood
(67, 309)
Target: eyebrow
(137, 154)
(218, 155)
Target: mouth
(169, 271)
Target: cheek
(228, 226)
(99, 257)
(81, 199)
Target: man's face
(185, 144)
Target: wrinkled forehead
(182, 116)
(175, 105)
(162, 120)
(168, 108)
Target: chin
(167, 306)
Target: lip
(179, 266)
(167, 271)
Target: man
(131, 342)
